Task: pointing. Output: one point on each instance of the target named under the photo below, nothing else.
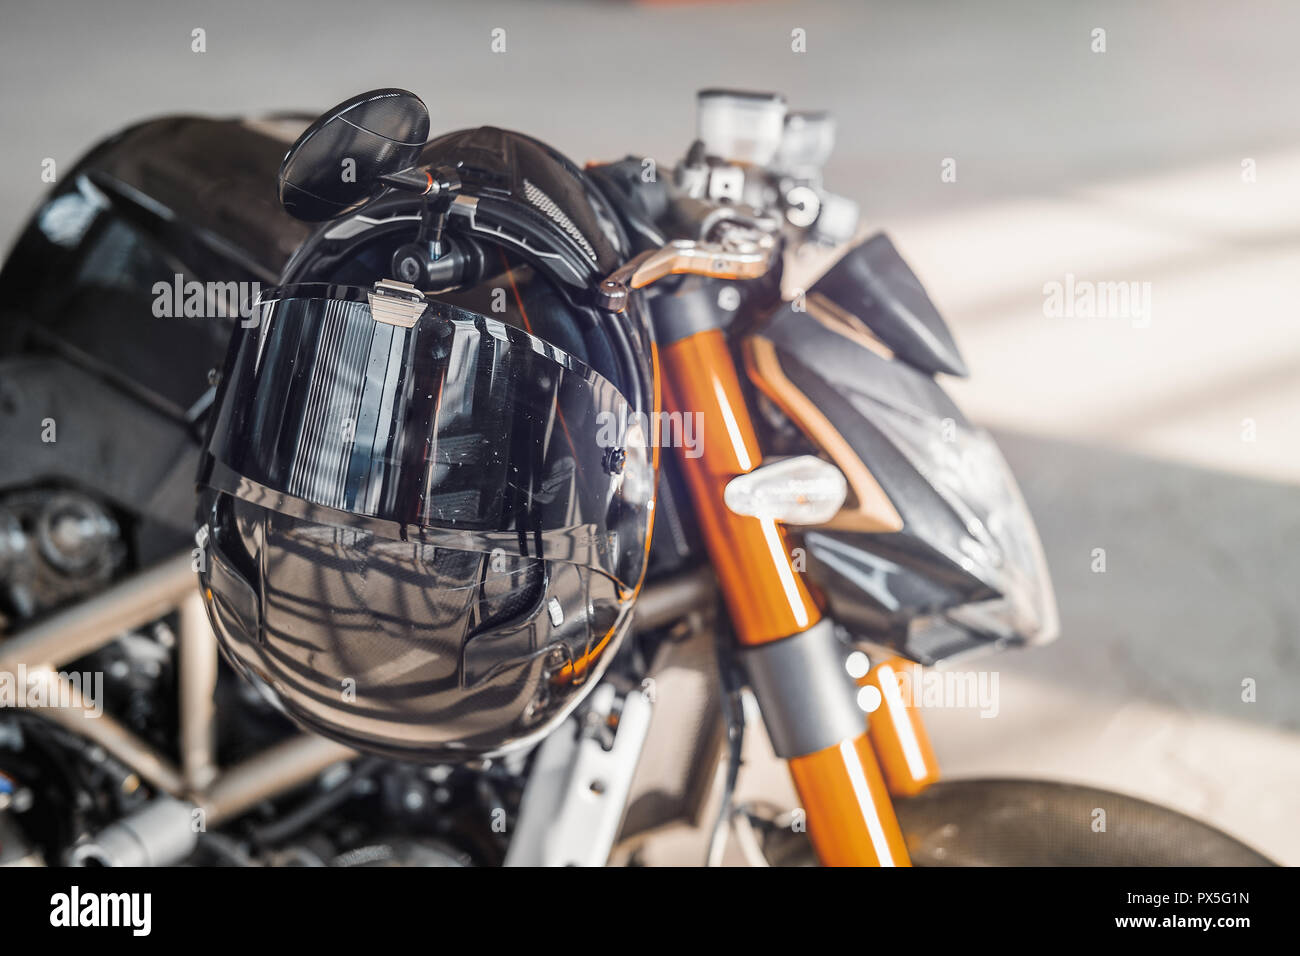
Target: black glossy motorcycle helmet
(425, 518)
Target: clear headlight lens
(997, 541)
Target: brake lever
(739, 255)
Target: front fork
(798, 672)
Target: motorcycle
(824, 520)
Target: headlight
(993, 538)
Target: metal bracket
(808, 700)
(577, 791)
(396, 303)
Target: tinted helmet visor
(459, 431)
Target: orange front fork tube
(851, 820)
(897, 734)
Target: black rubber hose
(315, 807)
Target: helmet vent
(554, 213)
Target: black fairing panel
(205, 186)
(876, 583)
(874, 283)
(178, 196)
(964, 570)
(80, 339)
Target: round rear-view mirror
(335, 165)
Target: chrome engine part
(55, 546)
(161, 834)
